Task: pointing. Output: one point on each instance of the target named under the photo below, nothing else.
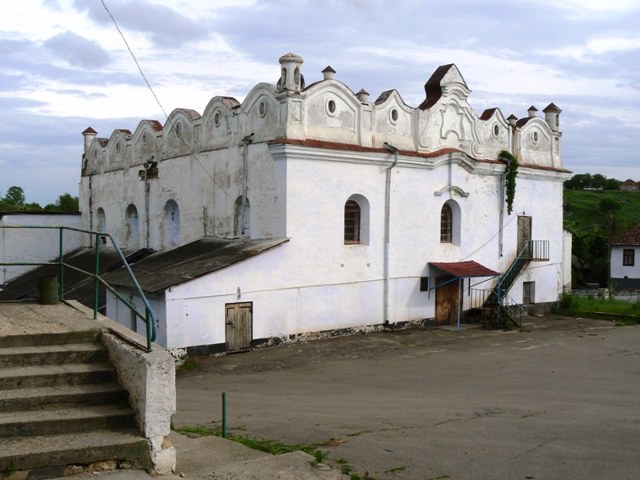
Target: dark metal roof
(77, 286)
(162, 270)
(465, 269)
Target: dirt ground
(555, 400)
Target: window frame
(446, 224)
(352, 222)
(629, 257)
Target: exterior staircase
(60, 406)
(499, 309)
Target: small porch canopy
(456, 272)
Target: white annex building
(313, 208)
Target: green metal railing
(149, 317)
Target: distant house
(29, 245)
(312, 208)
(625, 260)
(629, 185)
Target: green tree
(14, 197)
(65, 203)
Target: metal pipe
(224, 414)
(147, 192)
(387, 233)
(245, 183)
(61, 266)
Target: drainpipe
(387, 209)
(245, 173)
(91, 209)
(501, 216)
(147, 191)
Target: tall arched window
(171, 224)
(241, 229)
(352, 222)
(101, 221)
(133, 229)
(356, 220)
(446, 224)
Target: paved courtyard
(558, 400)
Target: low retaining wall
(150, 379)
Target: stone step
(49, 354)
(64, 420)
(56, 396)
(52, 375)
(76, 336)
(50, 451)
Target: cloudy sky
(64, 67)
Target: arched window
(446, 224)
(101, 221)
(132, 227)
(171, 224)
(356, 220)
(241, 214)
(352, 222)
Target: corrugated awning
(465, 269)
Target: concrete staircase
(60, 405)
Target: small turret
(552, 116)
(363, 95)
(512, 119)
(532, 111)
(89, 136)
(291, 80)
(328, 73)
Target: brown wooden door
(447, 298)
(238, 326)
(524, 231)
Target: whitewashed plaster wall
(620, 271)
(35, 245)
(315, 282)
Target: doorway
(524, 232)
(238, 326)
(447, 299)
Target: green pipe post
(61, 265)
(224, 414)
(97, 288)
(148, 320)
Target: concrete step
(49, 354)
(64, 420)
(76, 336)
(35, 452)
(57, 396)
(52, 375)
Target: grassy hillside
(582, 214)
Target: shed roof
(465, 269)
(168, 268)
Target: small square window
(424, 284)
(628, 257)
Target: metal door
(238, 326)
(447, 298)
(524, 231)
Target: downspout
(147, 192)
(90, 209)
(387, 210)
(245, 182)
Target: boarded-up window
(351, 222)
(628, 257)
(446, 224)
(528, 293)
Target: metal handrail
(149, 317)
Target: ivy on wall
(510, 178)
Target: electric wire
(190, 149)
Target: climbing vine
(510, 178)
